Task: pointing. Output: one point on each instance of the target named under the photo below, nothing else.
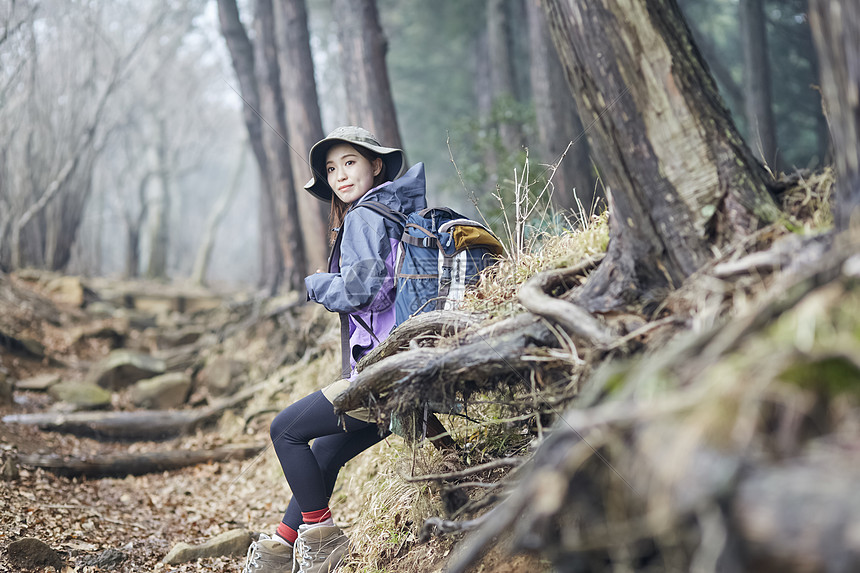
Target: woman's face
(349, 173)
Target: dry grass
(807, 203)
(496, 293)
(382, 511)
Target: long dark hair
(338, 207)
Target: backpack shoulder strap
(385, 211)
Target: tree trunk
(757, 93)
(242, 56)
(133, 225)
(207, 242)
(557, 119)
(502, 82)
(363, 46)
(160, 228)
(277, 148)
(680, 179)
(303, 120)
(836, 29)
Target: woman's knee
(284, 422)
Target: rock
(114, 331)
(31, 553)
(221, 376)
(122, 368)
(107, 559)
(39, 383)
(181, 337)
(233, 542)
(161, 392)
(9, 469)
(81, 395)
(7, 387)
(66, 290)
(32, 346)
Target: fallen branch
(441, 526)
(119, 465)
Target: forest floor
(129, 523)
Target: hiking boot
(320, 548)
(267, 555)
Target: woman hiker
(349, 167)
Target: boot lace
(302, 553)
(251, 558)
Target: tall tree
(62, 122)
(836, 29)
(680, 179)
(303, 119)
(363, 46)
(757, 84)
(560, 131)
(242, 56)
(277, 149)
(502, 77)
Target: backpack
(440, 253)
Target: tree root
(493, 465)
(534, 295)
(504, 350)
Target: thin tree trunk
(363, 46)
(207, 242)
(303, 120)
(757, 92)
(557, 119)
(680, 179)
(160, 223)
(502, 83)
(836, 30)
(242, 56)
(277, 148)
(133, 228)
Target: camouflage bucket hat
(393, 158)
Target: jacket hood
(405, 194)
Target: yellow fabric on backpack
(466, 236)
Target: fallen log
(120, 465)
(135, 425)
(132, 425)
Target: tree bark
(757, 92)
(560, 132)
(836, 30)
(242, 56)
(363, 46)
(681, 179)
(303, 120)
(277, 148)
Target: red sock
(287, 533)
(316, 516)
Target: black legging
(312, 471)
